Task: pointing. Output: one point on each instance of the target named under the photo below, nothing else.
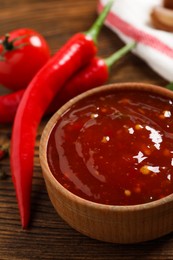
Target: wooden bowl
(117, 224)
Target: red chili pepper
(9, 104)
(95, 74)
(77, 52)
(92, 75)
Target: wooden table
(48, 236)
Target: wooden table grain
(48, 236)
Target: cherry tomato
(22, 53)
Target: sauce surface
(115, 149)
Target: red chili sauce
(115, 149)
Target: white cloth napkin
(130, 20)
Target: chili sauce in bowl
(107, 160)
(116, 148)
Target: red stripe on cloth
(136, 34)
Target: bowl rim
(146, 87)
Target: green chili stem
(96, 27)
(119, 54)
(169, 86)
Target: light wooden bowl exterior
(117, 224)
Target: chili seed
(144, 170)
(105, 139)
(94, 116)
(138, 127)
(127, 193)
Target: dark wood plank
(48, 236)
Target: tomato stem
(8, 45)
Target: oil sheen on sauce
(115, 148)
